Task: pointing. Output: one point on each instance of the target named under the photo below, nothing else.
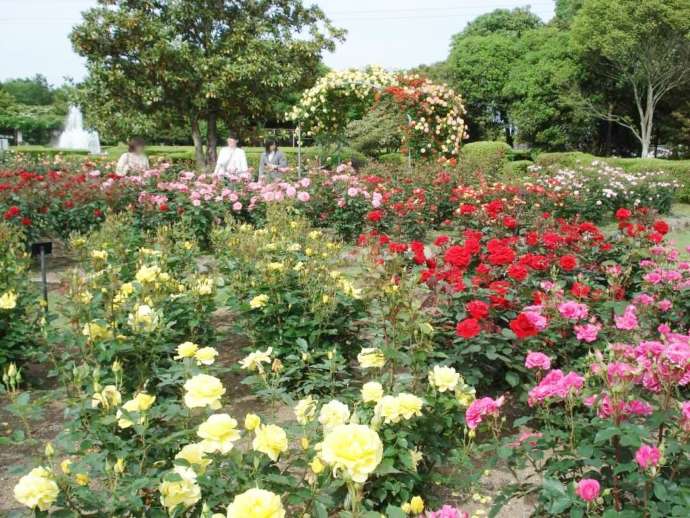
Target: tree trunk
(609, 132)
(212, 139)
(198, 144)
(647, 122)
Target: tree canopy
(200, 61)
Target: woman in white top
(134, 161)
(231, 159)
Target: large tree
(479, 65)
(642, 46)
(200, 61)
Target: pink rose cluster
(480, 408)
(555, 385)
(647, 456)
(447, 511)
(573, 310)
(537, 361)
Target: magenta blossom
(537, 361)
(587, 332)
(588, 489)
(447, 511)
(647, 456)
(573, 310)
(479, 408)
(556, 385)
(628, 320)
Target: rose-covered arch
(434, 113)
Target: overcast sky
(392, 33)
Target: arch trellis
(434, 112)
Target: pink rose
(588, 489)
(479, 408)
(587, 332)
(537, 361)
(647, 456)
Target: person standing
(272, 161)
(231, 159)
(134, 160)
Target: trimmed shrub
(517, 170)
(487, 158)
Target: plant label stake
(41, 250)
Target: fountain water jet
(74, 136)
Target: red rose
(457, 256)
(375, 216)
(468, 328)
(523, 327)
(441, 240)
(509, 222)
(477, 309)
(163, 207)
(661, 227)
(568, 262)
(466, 208)
(580, 290)
(517, 272)
(11, 212)
(26, 221)
(97, 213)
(623, 214)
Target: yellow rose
(107, 398)
(37, 489)
(195, 455)
(316, 465)
(305, 410)
(258, 302)
(82, 479)
(8, 300)
(65, 466)
(333, 414)
(95, 331)
(144, 319)
(206, 356)
(99, 255)
(254, 360)
(252, 421)
(203, 390)
(353, 448)
(147, 274)
(140, 404)
(119, 466)
(271, 440)
(256, 503)
(275, 267)
(371, 357)
(204, 286)
(182, 492)
(388, 409)
(417, 505)
(186, 350)
(444, 378)
(372, 392)
(219, 433)
(409, 405)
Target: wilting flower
(354, 449)
(203, 390)
(107, 398)
(144, 319)
(371, 357)
(305, 410)
(256, 503)
(254, 361)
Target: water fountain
(74, 136)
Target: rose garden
(448, 333)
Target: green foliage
(378, 132)
(163, 68)
(33, 91)
(484, 159)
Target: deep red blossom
(441, 240)
(468, 328)
(568, 262)
(522, 327)
(580, 290)
(375, 216)
(623, 214)
(11, 212)
(477, 309)
(26, 221)
(661, 227)
(457, 256)
(517, 272)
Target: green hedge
(485, 157)
(517, 170)
(678, 169)
(47, 151)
